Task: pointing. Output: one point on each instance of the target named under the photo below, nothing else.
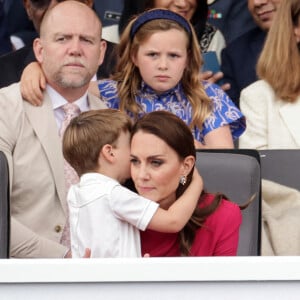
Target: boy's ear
(107, 153)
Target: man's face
(263, 12)
(70, 48)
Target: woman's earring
(182, 180)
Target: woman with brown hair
(160, 142)
(272, 104)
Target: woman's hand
(33, 83)
(87, 253)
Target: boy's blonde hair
(87, 133)
(129, 79)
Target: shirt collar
(175, 90)
(58, 100)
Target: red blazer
(218, 236)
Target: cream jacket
(29, 138)
(271, 122)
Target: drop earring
(182, 180)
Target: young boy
(104, 215)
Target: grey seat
(281, 166)
(4, 207)
(236, 173)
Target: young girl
(158, 69)
(196, 11)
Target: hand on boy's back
(87, 253)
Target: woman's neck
(167, 202)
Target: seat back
(4, 207)
(236, 173)
(281, 166)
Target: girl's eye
(174, 55)
(152, 54)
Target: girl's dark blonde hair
(87, 133)
(129, 79)
(279, 62)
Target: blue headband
(158, 14)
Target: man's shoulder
(12, 89)
(246, 38)
(11, 104)
(11, 96)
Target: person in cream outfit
(272, 109)
(272, 104)
(272, 123)
(69, 50)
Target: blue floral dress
(224, 110)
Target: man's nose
(75, 47)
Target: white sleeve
(131, 207)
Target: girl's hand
(33, 83)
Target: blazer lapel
(43, 122)
(290, 113)
(95, 102)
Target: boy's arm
(179, 213)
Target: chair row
(236, 172)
